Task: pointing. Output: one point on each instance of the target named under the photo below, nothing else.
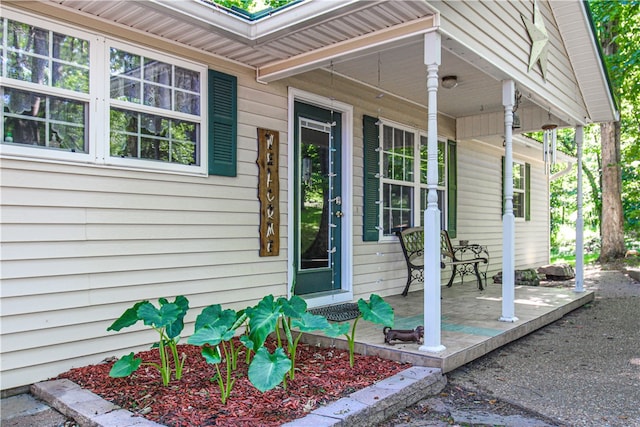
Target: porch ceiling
(378, 43)
(317, 25)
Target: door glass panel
(315, 175)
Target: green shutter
(371, 219)
(452, 189)
(527, 192)
(222, 124)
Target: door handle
(337, 200)
(339, 214)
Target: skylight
(254, 9)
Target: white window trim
(99, 103)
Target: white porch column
(579, 220)
(508, 220)
(432, 307)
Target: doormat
(338, 313)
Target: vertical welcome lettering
(268, 192)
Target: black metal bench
(412, 242)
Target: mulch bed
(323, 375)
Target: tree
(617, 25)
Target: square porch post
(579, 220)
(432, 304)
(508, 220)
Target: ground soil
(323, 375)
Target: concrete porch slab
(470, 323)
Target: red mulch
(323, 375)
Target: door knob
(339, 214)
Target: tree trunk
(612, 224)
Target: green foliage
(168, 322)
(214, 330)
(252, 5)
(618, 26)
(376, 311)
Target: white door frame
(346, 279)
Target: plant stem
(164, 368)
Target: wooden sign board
(269, 192)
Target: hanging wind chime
(549, 141)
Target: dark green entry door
(317, 199)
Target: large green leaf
(128, 318)
(212, 335)
(376, 310)
(214, 315)
(337, 329)
(268, 370)
(151, 316)
(293, 307)
(125, 366)
(310, 322)
(175, 328)
(211, 355)
(263, 319)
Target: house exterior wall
(495, 31)
(81, 243)
(480, 204)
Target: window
(521, 190)
(518, 190)
(46, 105)
(72, 95)
(395, 187)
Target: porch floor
(470, 325)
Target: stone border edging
(374, 404)
(365, 407)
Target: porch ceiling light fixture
(449, 82)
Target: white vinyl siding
(81, 243)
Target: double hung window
(71, 95)
(395, 179)
(45, 87)
(521, 190)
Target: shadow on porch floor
(470, 325)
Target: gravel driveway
(582, 370)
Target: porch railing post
(508, 219)
(579, 220)
(432, 308)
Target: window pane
(152, 137)
(28, 39)
(187, 79)
(157, 96)
(39, 56)
(187, 103)
(44, 121)
(518, 176)
(397, 207)
(27, 68)
(518, 205)
(124, 63)
(124, 89)
(157, 72)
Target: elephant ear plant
(215, 329)
(376, 311)
(267, 370)
(168, 322)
